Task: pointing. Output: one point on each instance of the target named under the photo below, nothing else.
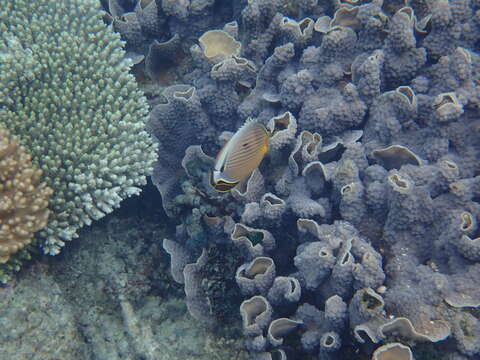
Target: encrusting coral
(65, 91)
(23, 197)
(365, 210)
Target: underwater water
(261, 179)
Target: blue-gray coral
(367, 205)
(66, 93)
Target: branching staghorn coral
(65, 91)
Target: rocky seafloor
(108, 296)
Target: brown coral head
(23, 198)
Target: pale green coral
(66, 92)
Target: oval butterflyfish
(240, 156)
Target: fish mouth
(224, 186)
(222, 183)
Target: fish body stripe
(245, 153)
(220, 160)
(247, 142)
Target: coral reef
(363, 216)
(66, 93)
(358, 233)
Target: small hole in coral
(329, 340)
(467, 221)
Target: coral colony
(68, 97)
(359, 229)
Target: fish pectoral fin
(222, 186)
(221, 182)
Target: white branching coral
(66, 92)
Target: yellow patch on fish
(240, 156)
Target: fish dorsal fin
(251, 120)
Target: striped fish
(240, 156)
